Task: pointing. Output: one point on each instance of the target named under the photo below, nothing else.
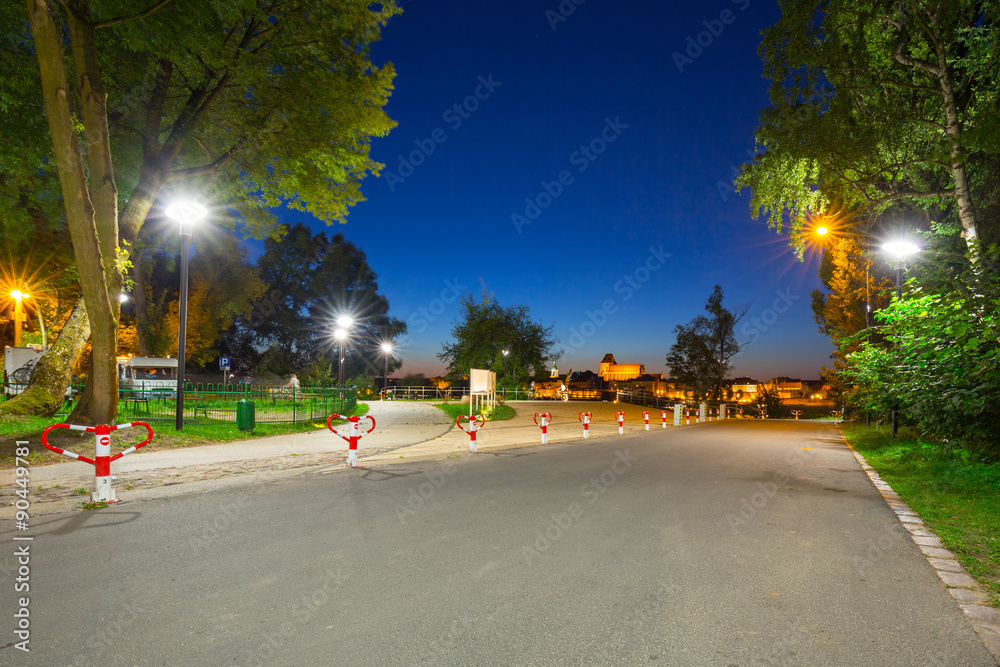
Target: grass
(165, 436)
(956, 493)
(453, 410)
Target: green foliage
(955, 492)
(863, 113)
(486, 329)
(310, 280)
(699, 357)
(453, 410)
(942, 362)
(365, 384)
(767, 395)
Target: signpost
(224, 367)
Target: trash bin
(245, 415)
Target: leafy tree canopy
(486, 329)
(703, 348)
(875, 102)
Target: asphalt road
(732, 543)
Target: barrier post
(701, 413)
(475, 424)
(585, 418)
(796, 413)
(663, 414)
(546, 417)
(687, 416)
(645, 418)
(103, 492)
(722, 411)
(678, 409)
(355, 435)
(620, 416)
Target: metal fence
(216, 403)
(423, 393)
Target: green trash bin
(245, 415)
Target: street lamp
(505, 353)
(18, 314)
(186, 213)
(387, 349)
(899, 249)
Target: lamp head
(18, 295)
(387, 347)
(822, 231)
(345, 321)
(901, 248)
(340, 334)
(187, 213)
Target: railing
(210, 403)
(423, 393)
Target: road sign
(223, 363)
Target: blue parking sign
(223, 363)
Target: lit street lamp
(387, 349)
(900, 250)
(186, 213)
(18, 314)
(505, 353)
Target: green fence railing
(209, 403)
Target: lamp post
(823, 231)
(186, 213)
(340, 334)
(18, 296)
(387, 350)
(505, 353)
(900, 250)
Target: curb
(970, 596)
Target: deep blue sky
(608, 67)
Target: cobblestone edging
(971, 597)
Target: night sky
(622, 134)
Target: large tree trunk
(47, 388)
(89, 191)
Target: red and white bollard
(352, 439)
(620, 416)
(645, 418)
(474, 426)
(687, 417)
(546, 419)
(663, 414)
(585, 418)
(103, 493)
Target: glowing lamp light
(345, 321)
(387, 348)
(340, 334)
(186, 212)
(822, 231)
(901, 249)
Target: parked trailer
(147, 377)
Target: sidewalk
(404, 432)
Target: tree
(252, 102)
(940, 364)
(486, 329)
(699, 357)
(876, 102)
(310, 280)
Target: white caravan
(146, 377)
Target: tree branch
(122, 19)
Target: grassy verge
(453, 410)
(165, 436)
(956, 494)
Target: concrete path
(147, 474)
(735, 543)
